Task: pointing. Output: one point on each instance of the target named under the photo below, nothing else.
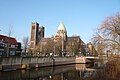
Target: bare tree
(58, 47)
(108, 35)
(8, 40)
(99, 44)
(38, 48)
(45, 47)
(48, 47)
(73, 47)
(110, 30)
(25, 43)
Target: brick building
(8, 46)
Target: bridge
(91, 57)
(85, 59)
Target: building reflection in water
(65, 72)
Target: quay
(16, 63)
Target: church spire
(62, 27)
(61, 31)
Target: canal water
(64, 72)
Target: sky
(80, 17)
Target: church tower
(62, 35)
(34, 35)
(37, 33)
(62, 32)
(41, 32)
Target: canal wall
(36, 73)
(14, 63)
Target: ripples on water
(64, 72)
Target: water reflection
(65, 72)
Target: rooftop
(6, 39)
(62, 27)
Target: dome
(62, 27)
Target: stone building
(37, 33)
(59, 43)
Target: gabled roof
(12, 41)
(62, 27)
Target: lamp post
(63, 43)
(54, 49)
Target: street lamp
(63, 43)
(54, 49)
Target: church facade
(60, 44)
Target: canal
(64, 72)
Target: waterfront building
(9, 46)
(59, 44)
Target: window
(32, 45)
(32, 34)
(33, 27)
(1, 52)
(12, 46)
(12, 52)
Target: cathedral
(60, 44)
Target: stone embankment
(15, 63)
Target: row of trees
(73, 47)
(56, 47)
(49, 47)
(107, 38)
